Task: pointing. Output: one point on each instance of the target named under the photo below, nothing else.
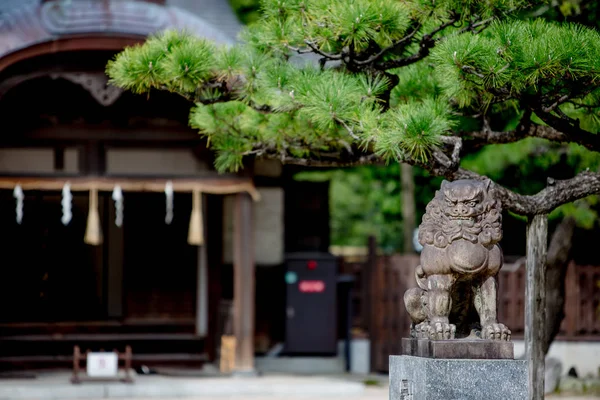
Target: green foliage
(523, 57)
(413, 129)
(247, 11)
(174, 61)
(365, 201)
(334, 109)
(392, 78)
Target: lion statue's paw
(421, 331)
(441, 331)
(495, 331)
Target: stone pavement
(56, 386)
(370, 393)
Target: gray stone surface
(458, 348)
(418, 378)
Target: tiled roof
(26, 22)
(217, 12)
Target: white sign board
(102, 365)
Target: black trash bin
(311, 303)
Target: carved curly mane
(439, 229)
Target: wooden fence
(382, 280)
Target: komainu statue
(457, 278)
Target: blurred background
(314, 272)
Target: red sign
(311, 286)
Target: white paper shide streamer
(18, 194)
(67, 204)
(117, 196)
(169, 200)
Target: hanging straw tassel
(93, 233)
(196, 233)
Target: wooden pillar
(202, 283)
(535, 303)
(243, 284)
(369, 316)
(409, 208)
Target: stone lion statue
(457, 278)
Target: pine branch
(568, 130)
(479, 139)
(425, 46)
(562, 99)
(332, 163)
(557, 193)
(316, 50)
(477, 23)
(347, 128)
(457, 144)
(393, 46)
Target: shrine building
(116, 229)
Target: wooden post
(243, 284)
(535, 303)
(202, 284)
(409, 209)
(367, 299)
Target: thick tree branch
(457, 144)
(332, 163)
(588, 140)
(558, 258)
(558, 193)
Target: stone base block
(419, 378)
(458, 348)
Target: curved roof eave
(34, 23)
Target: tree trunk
(559, 253)
(535, 303)
(409, 210)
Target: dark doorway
(160, 266)
(48, 273)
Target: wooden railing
(582, 302)
(386, 320)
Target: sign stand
(101, 366)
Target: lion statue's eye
(472, 204)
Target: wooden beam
(108, 133)
(105, 184)
(535, 303)
(244, 277)
(57, 45)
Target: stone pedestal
(459, 348)
(423, 378)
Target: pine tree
(423, 82)
(336, 83)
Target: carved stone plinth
(459, 349)
(421, 378)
